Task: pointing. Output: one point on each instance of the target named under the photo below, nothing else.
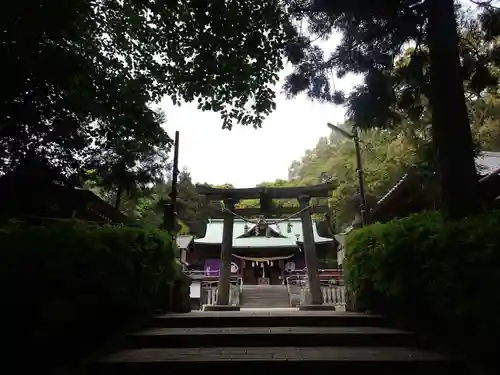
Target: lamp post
(359, 169)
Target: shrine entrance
(268, 273)
(257, 271)
(269, 269)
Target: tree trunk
(452, 136)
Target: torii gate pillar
(226, 253)
(310, 252)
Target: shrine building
(259, 250)
(264, 251)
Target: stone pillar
(310, 255)
(226, 254)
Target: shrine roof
(488, 162)
(183, 242)
(213, 235)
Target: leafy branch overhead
(224, 54)
(375, 40)
(80, 74)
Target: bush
(67, 284)
(436, 276)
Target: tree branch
(488, 4)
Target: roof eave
(322, 241)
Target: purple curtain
(300, 264)
(212, 267)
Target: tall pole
(361, 180)
(169, 213)
(359, 168)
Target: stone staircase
(274, 340)
(264, 296)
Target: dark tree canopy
(80, 75)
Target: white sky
(245, 156)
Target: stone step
(265, 296)
(251, 305)
(287, 318)
(224, 360)
(281, 339)
(264, 300)
(265, 303)
(257, 292)
(256, 305)
(265, 289)
(268, 336)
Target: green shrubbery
(64, 285)
(433, 275)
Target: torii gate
(266, 194)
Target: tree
(78, 74)
(375, 34)
(190, 202)
(64, 94)
(129, 162)
(485, 116)
(387, 154)
(146, 204)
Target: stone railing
(293, 286)
(332, 294)
(210, 292)
(204, 289)
(332, 288)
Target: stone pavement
(257, 312)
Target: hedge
(440, 278)
(65, 286)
